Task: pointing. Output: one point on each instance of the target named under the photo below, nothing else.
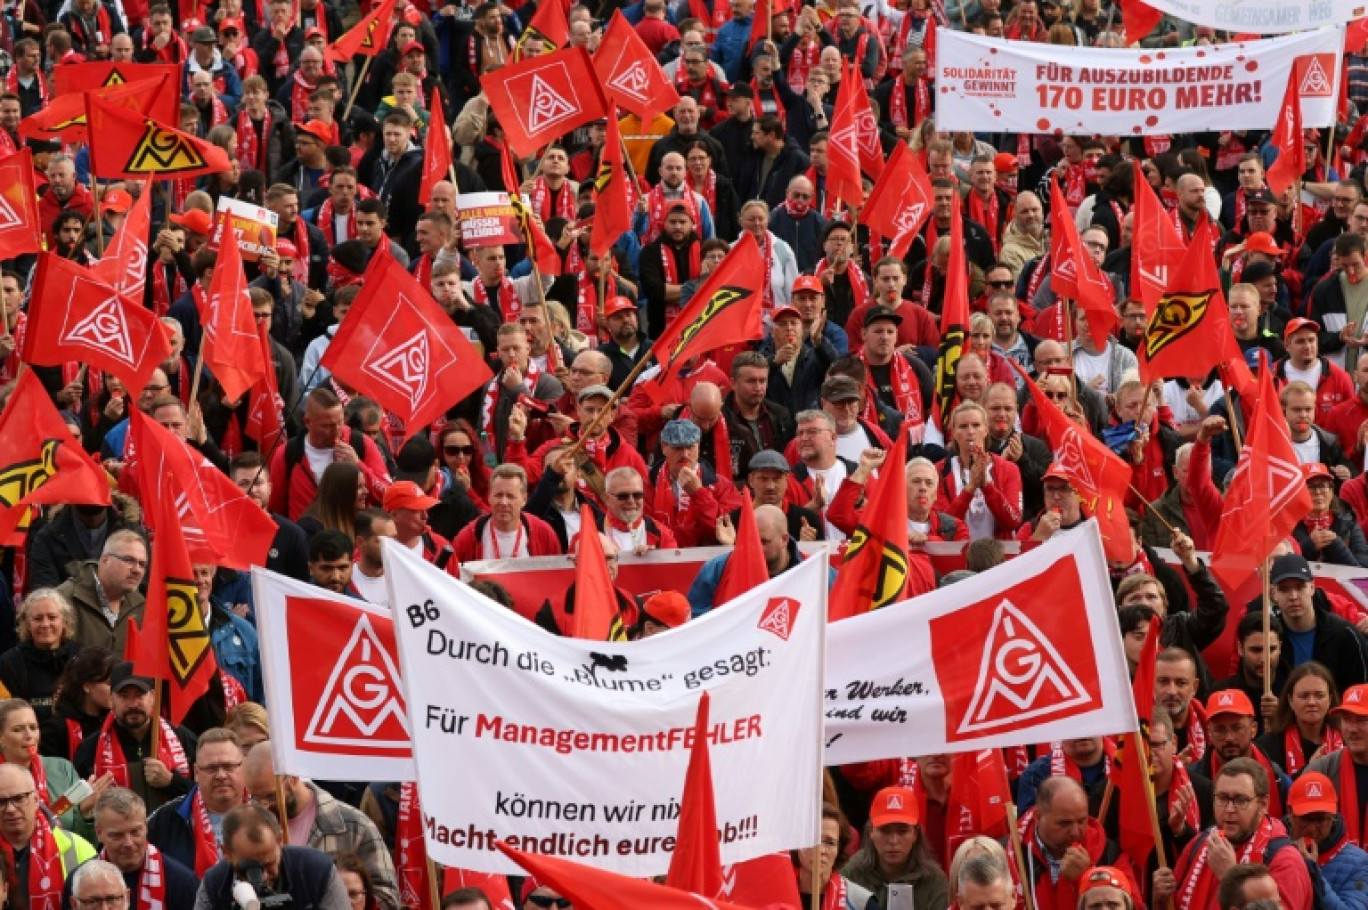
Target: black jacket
(772, 430)
(396, 183)
(1349, 547)
(56, 550)
(1337, 644)
(1194, 630)
(31, 673)
(306, 874)
(171, 830)
(56, 737)
(134, 751)
(791, 162)
(805, 390)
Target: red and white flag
(20, 232)
(1001, 659)
(630, 74)
(1288, 140)
(900, 202)
(124, 266)
(540, 99)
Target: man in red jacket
(686, 495)
(507, 532)
(298, 465)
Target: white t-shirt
(509, 545)
(373, 590)
(1308, 452)
(850, 445)
(1089, 366)
(1184, 414)
(318, 459)
(1311, 377)
(572, 525)
(831, 482)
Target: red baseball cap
(1315, 470)
(405, 494)
(1230, 701)
(1296, 325)
(617, 305)
(1103, 877)
(809, 283)
(1312, 792)
(230, 24)
(195, 221)
(317, 129)
(783, 311)
(1355, 702)
(315, 32)
(892, 806)
(286, 249)
(1262, 242)
(1056, 472)
(117, 201)
(669, 608)
(411, 47)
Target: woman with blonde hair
(46, 623)
(248, 720)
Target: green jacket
(61, 777)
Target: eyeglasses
(1235, 801)
(18, 801)
(227, 767)
(155, 388)
(1001, 284)
(104, 900)
(128, 560)
(1057, 396)
(545, 901)
(454, 451)
(629, 496)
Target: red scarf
(932, 233)
(509, 303)
(300, 90)
(722, 455)
(217, 112)
(165, 293)
(666, 505)
(987, 214)
(906, 397)
(491, 400)
(587, 302)
(1197, 886)
(109, 756)
(410, 854)
(45, 875)
(151, 881)
(801, 62)
(657, 205)
(834, 894)
(859, 285)
(39, 773)
(1293, 758)
(245, 62)
(320, 21)
(300, 272)
(103, 29)
(548, 206)
(1348, 799)
(708, 190)
(252, 144)
(328, 226)
(12, 85)
(74, 737)
(1061, 764)
(1075, 186)
(897, 103)
(1037, 277)
(767, 289)
(282, 63)
(770, 96)
(1196, 731)
(1192, 814)
(707, 92)
(206, 844)
(671, 270)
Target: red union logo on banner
(1034, 664)
(778, 617)
(548, 92)
(1315, 70)
(346, 692)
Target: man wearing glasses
(99, 885)
(625, 522)
(31, 840)
(105, 592)
(187, 828)
(121, 826)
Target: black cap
(1261, 196)
(1289, 567)
(876, 313)
(415, 459)
(1257, 271)
(123, 676)
(43, 145)
(740, 90)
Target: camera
(250, 891)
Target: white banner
(578, 749)
(993, 85)
(1027, 652)
(333, 691)
(1263, 17)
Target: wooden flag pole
(1267, 620)
(434, 884)
(195, 382)
(356, 89)
(99, 215)
(1230, 413)
(1142, 752)
(1020, 855)
(280, 809)
(156, 717)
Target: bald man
(705, 412)
(1064, 842)
(781, 554)
(799, 222)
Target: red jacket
(649, 419)
(843, 514)
(1063, 894)
(49, 208)
(1344, 420)
(1002, 494)
(294, 487)
(1204, 512)
(696, 524)
(541, 539)
(1335, 388)
(616, 453)
(918, 326)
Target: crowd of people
(1259, 745)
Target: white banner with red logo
(1262, 17)
(1028, 652)
(578, 749)
(1018, 86)
(333, 691)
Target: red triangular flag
(124, 144)
(265, 411)
(1288, 139)
(539, 245)
(133, 646)
(399, 348)
(746, 568)
(697, 861)
(1075, 276)
(1156, 246)
(72, 79)
(437, 156)
(630, 73)
(548, 24)
(231, 349)
(1138, 19)
(612, 194)
(65, 117)
(954, 316)
(761, 26)
(1136, 837)
(979, 796)
(368, 37)
(843, 149)
(540, 99)
(124, 266)
(596, 615)
(875, 571)
(20, 232)
(900, 201)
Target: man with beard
(753, 422)
(1031, 455)
(1232, 724)
(318, 819)
(63, 193)
(68, 232)
(330, 561)
(123, 744)
(668, 262)
(626, 344)
(393, 170)
(121, 826)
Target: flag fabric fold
(1136, 837)
(1156, 246)
(954, 325)
(230, 348)
(876, 568)
(900, 201)
(124, 266)
(696, 865)
(1075, 276)
(539, 99)
(368, 37)
(20, 231)
(612, 193)
(540, 247)
(596, 613)
(549, 24)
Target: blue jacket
(1341, 883)
(236, 649)
(729, 47)
(705, 583)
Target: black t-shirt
(883, 381)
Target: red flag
(133, 646)
(900, 201)
(586, 886)
(979, 796)
(495, 887)
(65, 117)
(1136, 837)
(124, 144)
(220, 524)
(843, 149)
(173, 643)
(265, 411)
(1100, 478)
(20, 232)
(1138, 19)
(875, 571)
(596, 615)
(124, 266)
(539, 245)
(954, 315)
(1267, 495)
(75, 316)
(72, 79)
(231, 349)
(1075, 276)
(1288, 139)
(746, 569)
(724, 310)
(1189, 331)
(1156, 245)
(368, 37)
(549, 24)
(1355, 36)
(399, 348)
(437, 156)
(761, 26)
(697, 862)
(630, 74)
(612, 191)
(762, 881)
(542, 98)
(43, 462)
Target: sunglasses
(453, 451)
(1001, 284)
(541, 900)
(628, 497)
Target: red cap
(411, 47)
(117, 201)
(1103, 877)
(315, 32)
(405, 494)
(1316, 469)
(317, 129)
(1230, 701)
(195, 221)
(1056, 471)
(1312, 792)
(809, 283)
(892, 806)
(189, 25)
(618, 305)
(669, 608)
(1005, 163)
(1355, 702)
(783, 311)
(230, 23)
(1296, 325)
(286, 249)
(1262, 242)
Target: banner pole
(1020, 855)
(99, 216)
(1267, 620)
(356, 89)
(280, 809)
(434, 884)
(1141, 751)
(1230, 410)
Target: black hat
(123, 675)
(1261, 196)
(415, 459)
(1289, 567)
(1257, 271)
(876, 313)
(741, 90)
